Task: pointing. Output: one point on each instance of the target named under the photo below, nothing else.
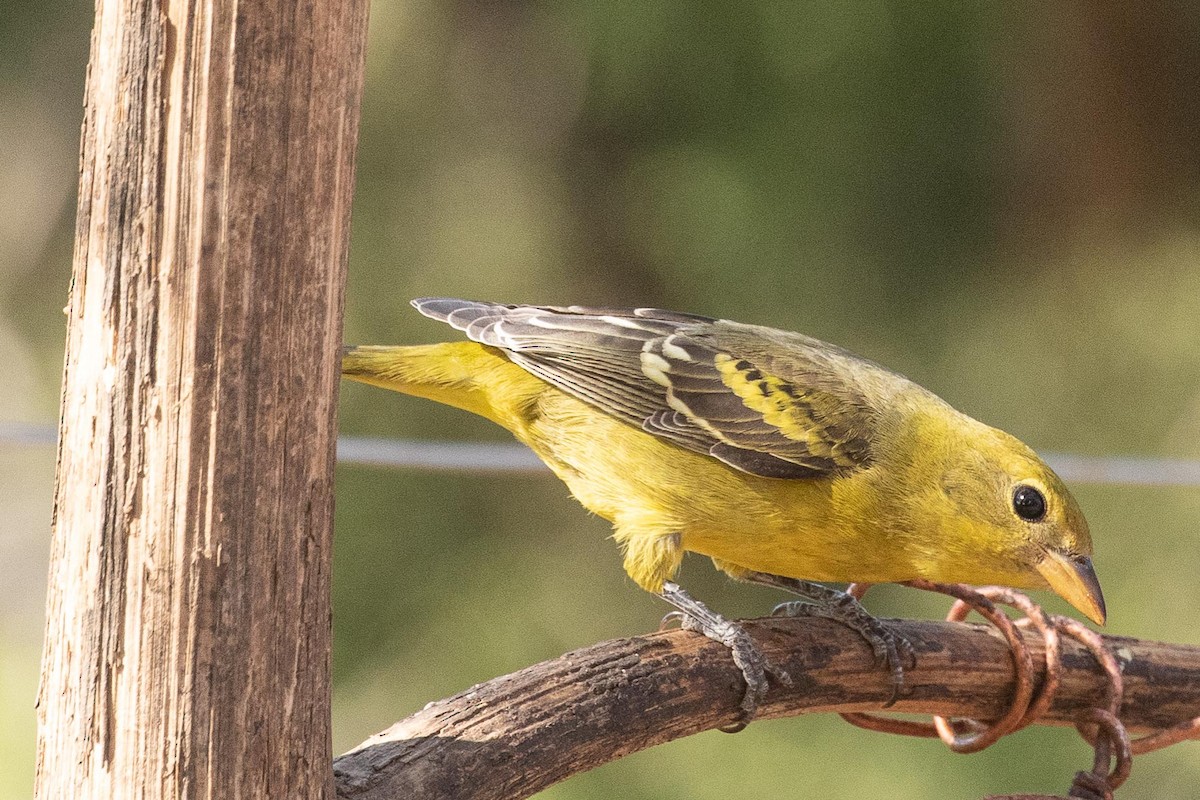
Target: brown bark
(187, 640)
(517, 734)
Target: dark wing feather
(766, 402)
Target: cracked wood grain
(187, 639)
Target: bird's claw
(892, 651)
(750, 659)
(695, 616)
(673, 617)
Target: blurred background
(999, 200)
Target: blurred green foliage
(998, 200)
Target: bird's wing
(767, 402)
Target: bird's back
(767, 402)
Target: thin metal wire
(506, 457)
(1125, 470)
(486, 457)
(22, 434)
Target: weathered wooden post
(187, 649)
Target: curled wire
(1101, 727)
(971, 736)
(1182, 732)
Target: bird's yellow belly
(663, 500)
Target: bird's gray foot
(892, 651)
(749, 658)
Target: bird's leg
(746, 654)
(891, 650)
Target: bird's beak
(1073, 578)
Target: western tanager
(783, 458)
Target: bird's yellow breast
(656, 494)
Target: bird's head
(1012, 519)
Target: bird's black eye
(1029, 503)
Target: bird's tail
(465, 375)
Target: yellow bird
(783, 458)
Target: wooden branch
(520, 733)
(187, 642)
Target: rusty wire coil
(1100, 727)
